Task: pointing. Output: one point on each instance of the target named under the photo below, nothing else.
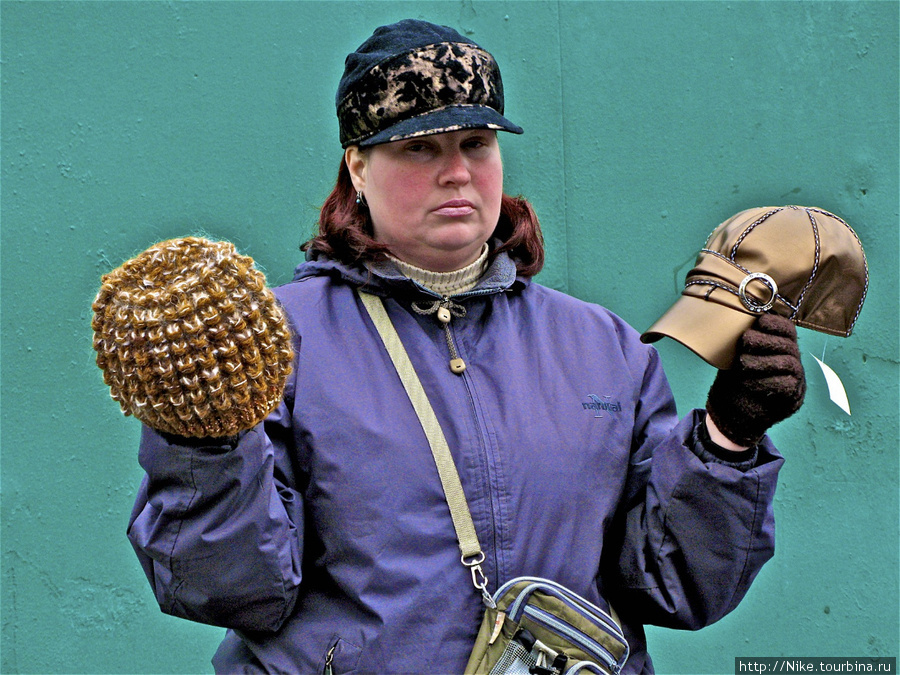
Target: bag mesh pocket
(515, 660)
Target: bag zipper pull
(329, 657)
(498, 625)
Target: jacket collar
(381, 277)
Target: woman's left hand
(765, 385)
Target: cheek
(490, 185)
(397, 191)
(395, 199)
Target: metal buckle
(750, 303)
(476, 560)
(479, 578)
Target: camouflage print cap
(414, 78)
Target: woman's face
(434, 200)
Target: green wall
(647, 124)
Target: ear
(357, 161)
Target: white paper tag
(835, 387)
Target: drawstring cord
(445, 309)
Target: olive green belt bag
(531, 626)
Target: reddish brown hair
(345, 229)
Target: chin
(459, 242)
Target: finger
(774, 364)
(775, 386)
(774, 324)
(753, 342)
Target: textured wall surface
(647, 124)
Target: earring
(360, 199)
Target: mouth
(455, 208)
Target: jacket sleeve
(218, 528)
(693, 533)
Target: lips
(455, 208)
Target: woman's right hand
(190, 340)
(765, 385)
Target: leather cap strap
(747, 291)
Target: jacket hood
(381, 277)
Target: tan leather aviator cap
(800, 262)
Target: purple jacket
(326, 527)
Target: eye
(478, 141)
(417, 147)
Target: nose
(455, 169)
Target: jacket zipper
(484, 439)
(444, 315)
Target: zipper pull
(444, 315)
(498, 625)
(444, 310)
(329, 657)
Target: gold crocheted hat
(190, 340)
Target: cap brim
(707, 328)
(451, 118)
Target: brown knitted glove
(765, 385)
(190, 339)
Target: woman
(321, 537)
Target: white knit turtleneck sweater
(446, 283)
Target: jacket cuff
(219, 444)
(709, 451)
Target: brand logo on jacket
(600, 404)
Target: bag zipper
(576, 602)
(582, 666)
(329, 658)
(584, 642)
